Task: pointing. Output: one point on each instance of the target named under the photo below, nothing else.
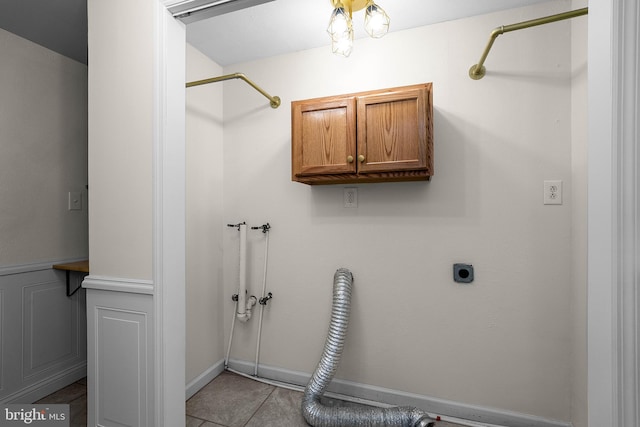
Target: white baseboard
(47, 386)
(478, 414)
(203, 379)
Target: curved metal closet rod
(275, 100)
(477, 71)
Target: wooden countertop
(82, 266)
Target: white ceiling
(269, 29)
(284, 26)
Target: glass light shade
(376, 21)
(339, 23)
(341, 31)
(343, 45)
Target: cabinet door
(323, 136)
(393, 130)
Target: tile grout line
(200, 419)
(273, 389)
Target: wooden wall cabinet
(375, 136)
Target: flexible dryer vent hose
(319, 415)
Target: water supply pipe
(242, 275)
(233, 324)
(265, 298)
(244, 305)
(319, 415)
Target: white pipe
(242, 291)
(247, 312)
(243, 310)
(233, 323)
(300, 388)
(264, 290)
(267, 381)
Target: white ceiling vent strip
(195, 10)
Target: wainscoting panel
(42, 333)
(51, 322)
(120, 366)
(2, 322)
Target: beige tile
(65, 395)
(193, 422)
(282, 408)
(78, 410)
(230, 400)
(74, 395)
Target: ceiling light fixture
(376, 23)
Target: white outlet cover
(350, 195)
(553, 192)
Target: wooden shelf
(81, 266)
(78, 266)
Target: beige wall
(204, 288)
(43, 153)
(136, 220)
(508, 340)
(120, 138)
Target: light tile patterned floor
(228, 401)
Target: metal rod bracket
(273, 100)
(478, 71)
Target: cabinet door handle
(349, 159)
(361, 158)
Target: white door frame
(613, 216)
(614, 243)
(169, 206)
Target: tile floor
(75, 395)
(229, 400)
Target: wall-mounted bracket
(274, 100)
(68, 268)
(478, 71)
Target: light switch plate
(75, 201)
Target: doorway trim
(169, 204)
(614, 219)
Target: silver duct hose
(319, 415)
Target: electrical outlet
(350, 195)
(553, 192)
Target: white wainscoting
(120, 352)
(42, 333)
